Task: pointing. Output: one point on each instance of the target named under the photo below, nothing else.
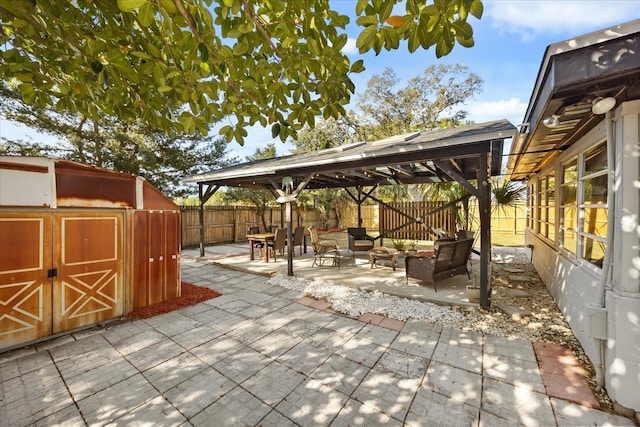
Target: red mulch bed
(190, 295)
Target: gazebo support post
(359, 188)
(484, 202)
(204, 196)
(287, 196)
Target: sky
(510, 41)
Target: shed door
(89, 259)
(25, 289)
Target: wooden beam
(450, 171)
(400, 170)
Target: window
(594, 212)
(531, 205)
(568, 207)
(583, 205)
(543, 220)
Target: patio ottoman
(383, 253)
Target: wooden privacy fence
(405, 226)
(225, 224)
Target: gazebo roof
(403, 159)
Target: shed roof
(55, 183)
(403, 159)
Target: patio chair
(278, 243)
(359, 240)
(323, 249)
(298, 236)
(258, 245)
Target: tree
(327, 134)
(503, 194)
(260, 199)
(181, 66)
(162, 159)
(429, 101)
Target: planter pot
(400, 253)
(412, 252)
(473, 294)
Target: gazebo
(463, 154)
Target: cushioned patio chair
(323, 249)
(359, 240)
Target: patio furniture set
(274, 242)
(450, 256)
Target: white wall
(24, 187)
(575, 284)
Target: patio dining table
(265, 238)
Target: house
(80, 245)
(578, 149)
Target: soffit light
(603, 105)
(554, 120)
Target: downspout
(606, 262)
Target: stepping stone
(562, 375)
(516, 293)
(513, 270)
(515, 278)
(516, 313)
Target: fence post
(234, 225)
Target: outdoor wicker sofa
(449, 259)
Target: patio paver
(285, 364)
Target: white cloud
(350, 47)
(512, 109)
(531, 18)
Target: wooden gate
(25, 289)
(58, 271)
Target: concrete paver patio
(257, 356)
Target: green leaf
(463, 30)
(27, 92)
(165, 89)
(477, 9)
(169, 6)
(146, 14)
(391, 39)
(443, 47)
(141, 55)
(130, 5)
(357, 66)
(365, 21)
(366, 39)
(469, 42)
(361, 6)
(275, 130)
(240, 48)
(204, 52)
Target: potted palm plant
(412, 248)
(399, 245)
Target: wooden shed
(80, 245)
